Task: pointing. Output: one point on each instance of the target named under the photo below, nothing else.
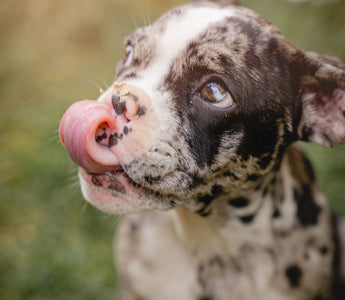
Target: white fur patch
(180, 31)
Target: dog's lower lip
(116, 181)
(111, 182)
(116, 170)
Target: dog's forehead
(185, 25)
(171, 34)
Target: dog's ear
(223, 2)
(321, 84)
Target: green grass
(53, 244)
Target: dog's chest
(161, 264)
(165, 259)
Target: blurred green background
(52, 244)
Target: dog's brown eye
(216, 94)
(128, 55)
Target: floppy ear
(224, 2)
(322, 93)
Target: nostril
(141, 111)
(127, 106)
(132, 109)
(130, 101)
(119, 106)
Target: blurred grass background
(52, 244)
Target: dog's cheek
(167, 168)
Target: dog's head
(204, 103)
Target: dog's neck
(286, 198)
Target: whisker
(116, 220)
(148, 17)
(134, 23)
(54, 137)
(104, 82)
(84, 207)
(96, 85)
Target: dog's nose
(93, 131)
(129, 100)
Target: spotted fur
(235, 211)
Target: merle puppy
(194, 141)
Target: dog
(194, 143)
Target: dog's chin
(116, 193)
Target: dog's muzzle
(94, 132)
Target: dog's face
(204, 104)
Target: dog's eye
(216, 94)
(128, 55)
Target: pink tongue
(78, 129)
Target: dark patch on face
(207, 125)
(307, 210)
(223, 29)
(239, 202)
(141, 111)
(125, 130)
(118, 105)
(247, 219)
(265, 161)
(101, 137)
(294, 275)
(216, 191)
(113, 140)
(251, 59)
(193, 49)
(118, 187)
(152, 180)
(248, 28)
(195, 180)
(277, 53)
(262, 93)
(206, 201)
(131, 75)
(96, 181)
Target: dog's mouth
(117, 180)
(114, 141)
(115, 192)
